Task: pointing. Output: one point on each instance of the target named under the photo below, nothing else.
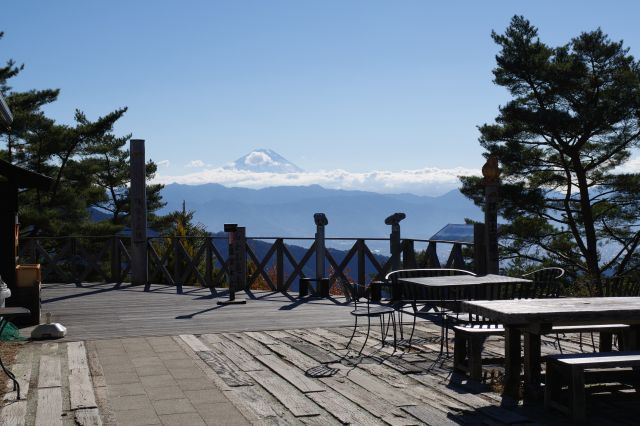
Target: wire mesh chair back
(621, 286)
(415, 293)
(546, 282)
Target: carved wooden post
(491, 173)
(237, 262)
(138, 195)
(479, 249)
(395, 248)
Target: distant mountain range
(264, 160)
(288, 211)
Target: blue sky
(391, 89)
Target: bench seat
(571, 370)
(469, 341)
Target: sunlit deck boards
(100, 311)
(163, 357)
(262, 377)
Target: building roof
(24, 178)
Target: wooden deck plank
(14, 413)
(290, 374)
(88, 417)
(247, 343)
(225, 369)
(292, 399)
(49, 375)
(343, 409)
(49, 408)
(244, 360)
(81, 394)
(255, 403)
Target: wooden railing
(273, 263)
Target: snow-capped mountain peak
(264, 160)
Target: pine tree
(573, 120)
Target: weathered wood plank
(49, 408)
(77, 356)
(248, 344)
(263, 338)
(22, 371)
(211, 338)
(429, 415)
(225, 369)
(88, 417)
(14, 413)
(343, 409)
(49, 372)
(81, 393)
(292, 399)
(244, 360)
(257, 405)
(194, 343)
(290, 374)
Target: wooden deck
(268, 363)
(100, 311)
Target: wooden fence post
(115, 260)
(280, 265)
(208, 263)
(138, 194)
(408, 254)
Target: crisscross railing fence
(273, 263)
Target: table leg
(512, 362)
(532, 361)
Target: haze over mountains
(264, 168)
(287, 211)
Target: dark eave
(23, 178)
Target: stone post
(237, 263)
(138, 197)
(321, 221)
(491, 173)
(395, 247)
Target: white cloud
(257, 158)
(631, 166)
(427, 181)
(196, 164)
(163, 163)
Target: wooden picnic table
(533, 317)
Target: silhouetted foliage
(572, 121)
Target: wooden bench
(571, 370)
(469, 342)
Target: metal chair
(427, 302)
(370, 310)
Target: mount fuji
(264, 160)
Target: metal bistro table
(449, 290)
(478, 287)
(534, 317)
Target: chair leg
(366, 338)
(393, 320)
(355, 327)
(413, 328)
